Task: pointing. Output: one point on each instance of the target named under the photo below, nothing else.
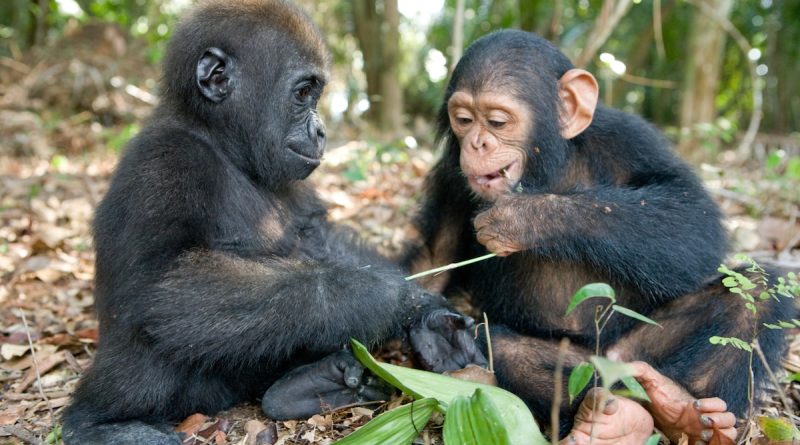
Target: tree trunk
(391, 118)
(701, 82)
(458, 35)
(377, 29)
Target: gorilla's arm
(271, 309)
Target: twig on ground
(36, 367)
(20, 433)
(772, 377)
(488, 342)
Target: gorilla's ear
(214, 72)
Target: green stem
(450, 266)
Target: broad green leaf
(729, 282)
(578, 379)
(591, 290)
(610, 371)
(396, 427)
(633, 314)
(635, 388)
(778, 429)
(751, 307)
(474, 420)
(514, 414)
(653, 440)
(794, 377)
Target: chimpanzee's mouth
(493, 177)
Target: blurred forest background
(79, 77)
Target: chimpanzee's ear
(214, 74)
(578, 91)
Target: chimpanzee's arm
(664, 236)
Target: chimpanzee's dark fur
(614, 205)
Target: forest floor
(56, 166)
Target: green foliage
(510, 411)
(633, 314)
(578, 379)
(610, 372)
(588, 291)
(474, 420)
(117, 141)
(733, 341)
(738, 283)
(778, 429)
(54, 436)
(396, 427)
(655, 439)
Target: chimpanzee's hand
(507, 226)
(443, 340)
(336, 380)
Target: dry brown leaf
(10, 416)
(191, 424)
(9, 351)
(252, 428)
(45, 365)
(720, 439)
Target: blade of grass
(450, 266)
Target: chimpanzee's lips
(494, 177)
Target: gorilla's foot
(335, 381)
(121, 433)
(605, 419)
(676, 412)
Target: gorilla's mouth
(308, 159)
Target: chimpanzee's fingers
(482, 220)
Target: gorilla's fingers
(353, 374)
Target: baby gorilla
(217, 271)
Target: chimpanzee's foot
(676, 412)
(616, 421)
(336, 380)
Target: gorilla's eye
(497, 124)
(463, 120)
(304, 92)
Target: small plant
(752, 290)
(598, 367)
(608, 371)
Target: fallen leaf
(9, 416)
(45, 364)
(720, 439)
(474, 373)
(268, 436)
(9, 351)
(191, 424)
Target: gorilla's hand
(336, 380)
(443, 340)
